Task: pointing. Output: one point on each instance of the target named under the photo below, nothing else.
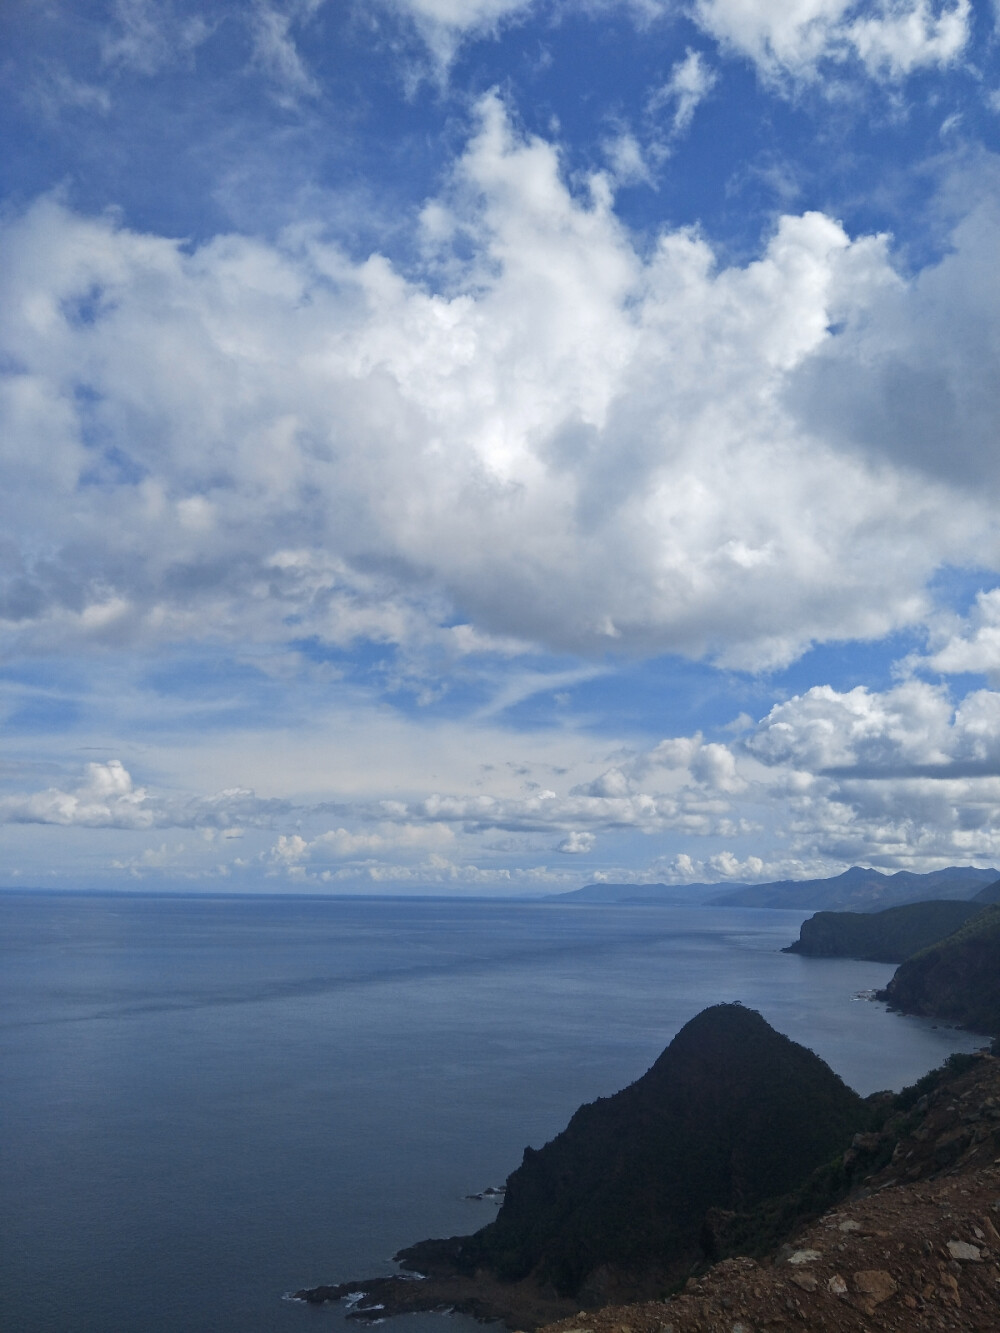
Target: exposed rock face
(731, 1113)
(957, 980)
(882, 937)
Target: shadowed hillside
(957, 980)
(882, 937)
(731, 1113)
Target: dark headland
(733, 1135)
(740, 1184)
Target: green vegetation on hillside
(882, 937)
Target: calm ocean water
(209, 1102)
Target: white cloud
(577, 844)
(147, 36)
(909, 36)
(973, 646)
(690, 82)
(107, 798)
(54, 92)
(576, 445)
(444, 24)
(344, 844)
(902, 778)
(916, 381)
(791, 38)
(825, 729)
(276, 54)
(626, 160)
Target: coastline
(519, 1305)
(912, 1233)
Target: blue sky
(490, 445)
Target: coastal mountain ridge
(860, 889)
(948, 954)
(912, 1245)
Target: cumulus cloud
(912, 730)
(916, 381)
(902, 777)
(107, 798)
(545, 436)
(577, 844)
(891, 38)
(344, 844)
(444, 24)
(790, 39)
(975, 645)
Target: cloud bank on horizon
(492, 444)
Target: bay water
(209, 1102)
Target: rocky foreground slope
(915, 1245)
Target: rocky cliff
(629, 1195)
(882, 937)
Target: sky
(491, 446)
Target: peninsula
(735, 1136)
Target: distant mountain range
(859, 889)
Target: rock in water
(730, 1114)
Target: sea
(209, 1102)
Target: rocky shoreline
(518, 1305)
